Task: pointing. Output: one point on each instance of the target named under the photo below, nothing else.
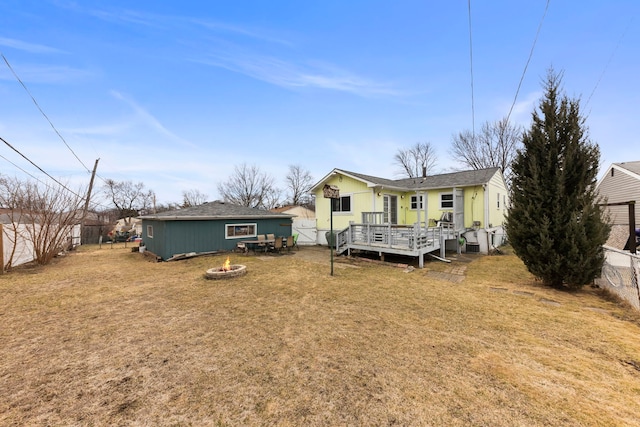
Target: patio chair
(290, 243)
(262, 243)
(276, 246)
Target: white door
(390, 209)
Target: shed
(210, 227)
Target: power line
(473, 113)
(42, 112)
(39, 168)
(47, 184)
(535, 40)
(615, 49)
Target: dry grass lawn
(105, 337)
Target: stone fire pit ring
(218, 273)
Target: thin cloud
(28, 47)
(290, 75)
(150, 120)
(45, 74)
(241, 30)
(151, 20)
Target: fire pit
(227, 271)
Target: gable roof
(215, 210)
(633, 168)
(432, 182)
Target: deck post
(421, 260)
(442, 242)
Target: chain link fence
(621, 275)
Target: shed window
(343, 204)
(446, 200)
(416, 202)
(150, 231)
(239, 231)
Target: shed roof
(215, 210)
(453, 179)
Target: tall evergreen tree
(555, 224)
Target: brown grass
(105, 337)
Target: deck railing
(410, 237)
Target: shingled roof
(446, 180)
(630, 166)
(215, 210)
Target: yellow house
(465, 202)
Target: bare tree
(418, 160)
(44, 216)
(249, 186)
(495, 145)
(128, 198)
(193, 198)
(299, 181)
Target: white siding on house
(619, 185)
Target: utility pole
(86, 202)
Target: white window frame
(150, 231)
(442, 202)
(343, 196)
(413, 201)
(240, 236)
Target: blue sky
(175, 94)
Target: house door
(458, 214)
(390, 209)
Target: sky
(178, 94)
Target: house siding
(177, 237)
(496, 187)
(621, 187)
(479, 200)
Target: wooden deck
(410, 240)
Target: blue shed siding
(177, 237)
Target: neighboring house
(621, 184)
(214, 226)
(18, 236)
(304, 223)
(471, 203)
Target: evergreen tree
(555, 224)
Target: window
(446, 200)
(239, 231)
(343, 204)
(150, 231)
(498, 206)
(414, 202)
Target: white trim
(453, 197)
(241, 236)
(420, 198)
(150, 227)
